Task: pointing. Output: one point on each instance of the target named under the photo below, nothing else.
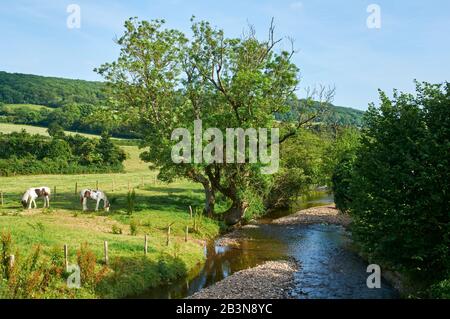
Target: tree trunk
(210, 200)
(235, 213)
(210, 196)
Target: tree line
(395, 183)
(54, 92)
(79, 105)
(25, 154)
(79, 117)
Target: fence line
(59, 190)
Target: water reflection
(329, 269)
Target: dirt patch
(316, 215)
(270, 280)
(101, 224)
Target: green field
(31, 107)
(7, 128)
(157, 206)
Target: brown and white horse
(33, 193)
(95, 195)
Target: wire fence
(112, 185)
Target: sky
(335, 46)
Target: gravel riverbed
(316, 215)
(272, 279)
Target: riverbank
(270, 280)
(327, 214)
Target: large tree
(163, 81)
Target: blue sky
(335, 46)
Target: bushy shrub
(24, 154)
(116, 230)
(400, 183)
(341, 182)
(131, 201)
(134, 227)
(87, 261)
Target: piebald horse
(33, 193)
(95, 195)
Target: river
(328, 266)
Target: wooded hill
(55, 92)
(18, 88)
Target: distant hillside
(339, 115)
(345, 116)
(35, 90)
(18, 88)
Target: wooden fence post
(1, 198)
(146, 244)
(113, 185)
(106, 253)
(12, 260)
(76, 188)
(66, 257)
(168, 236)
(190, 210)
(96, 185)
(186, 234)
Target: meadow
(7, 128)
(157, 205)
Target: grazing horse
(33, 193)
(95, 195)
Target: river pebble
(270, 280)
(316, 215)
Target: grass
(7, 128)
(157, 205)
(31, 107)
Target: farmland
(157, 206)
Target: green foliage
(72, 104)
(400, 183)
(54, 92)
(22, 153)
(87, 261)
(301, 168)
(134, 227)
(131, 201)
(116, 230)
(440, 290)
(341, 181)
(32, 276)
(335, 115)
(342, 147)
(225, 82)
